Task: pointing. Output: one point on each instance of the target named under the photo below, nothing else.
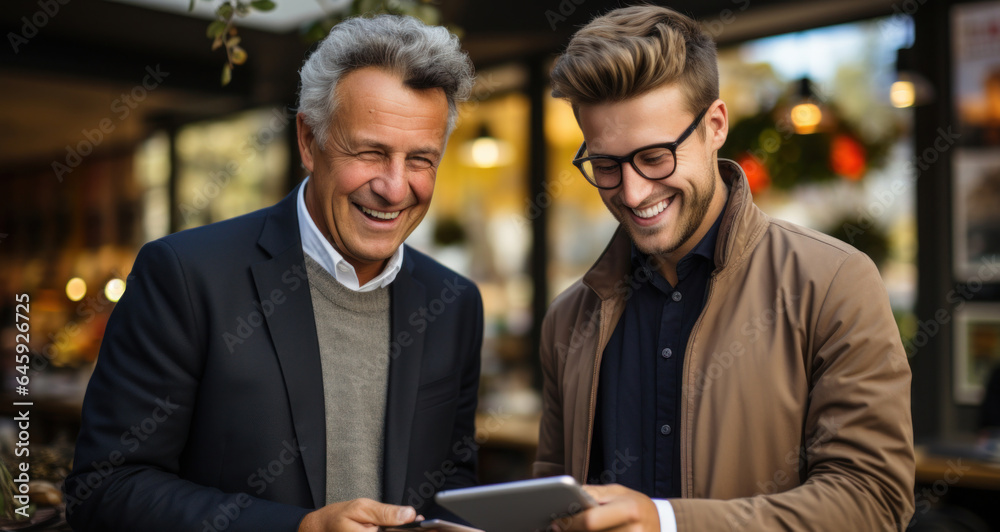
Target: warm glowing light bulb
(76, 288)
(485, 152)
(805, 117)
(114, 290)
(903, 94)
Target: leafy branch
(224, 33)
(425, 10)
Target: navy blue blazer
(206, 412)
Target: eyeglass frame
(630, 158)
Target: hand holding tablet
(521, 506)
(439, 525)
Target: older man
(290, 368)
(721, 369)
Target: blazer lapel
(293, 332)
(405, 351)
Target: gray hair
(425, 57)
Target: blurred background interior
(875, 121)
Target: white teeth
(650, 212)
(380, 215)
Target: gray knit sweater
(353, 332)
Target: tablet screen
(521, 506)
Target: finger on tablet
(604, 493)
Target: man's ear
(717, 119)
(307, 142)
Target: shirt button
(343, 267)
(665, 430)
(666, 353)
(676, 296)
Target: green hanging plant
(223, 30)
(425, 10)
(224, 33)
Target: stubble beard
(688, 225)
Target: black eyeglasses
(654, 162)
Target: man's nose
(635, 188)
(392, 183)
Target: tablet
(521, 506)
(438, 525)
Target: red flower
(757, 175)
(847, 157)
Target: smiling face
(664, 218)
(372, 183)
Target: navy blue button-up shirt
(636, 438)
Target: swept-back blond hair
(633, 50)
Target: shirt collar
(706, 247)
(319, 248)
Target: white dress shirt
(319, 248)
(668, 523)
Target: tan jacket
(795, 408)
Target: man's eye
(420, 163)
(370, 155)
(655, 157)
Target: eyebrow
(634, 151)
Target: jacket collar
(281, 230)
(294, 338)
(742, 225)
